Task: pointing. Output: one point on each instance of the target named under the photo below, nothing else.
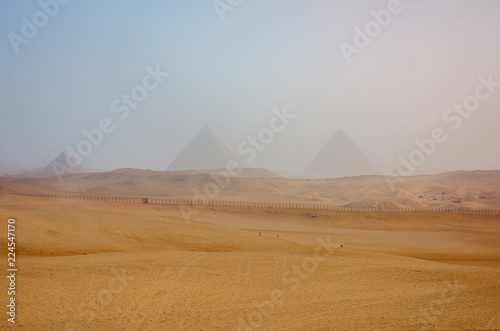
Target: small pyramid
(63, 165)
(205, 151)
(341, 157)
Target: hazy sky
(230, 74)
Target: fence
(266, 205)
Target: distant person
(341, 245)
(278, 236)
(260, 233)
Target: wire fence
(265, 205)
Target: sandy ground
(461, 189)
(86, 265)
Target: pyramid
(205, 151)
(63, 165)
(341, 157)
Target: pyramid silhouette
(205, 151)
(341, 157)
(63, 164)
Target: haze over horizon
(234, 75)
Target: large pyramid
(205, 151)
(63, 165)
(341, 157)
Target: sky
(147, 76)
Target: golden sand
(87, 265)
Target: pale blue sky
(230, 75)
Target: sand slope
(465, 189)
(88, 265)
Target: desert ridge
(454, 190)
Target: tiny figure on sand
(341, 245)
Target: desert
(250, 165)
(112, 265)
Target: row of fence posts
(290, 205)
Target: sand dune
(465, 189)
(88, 265)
